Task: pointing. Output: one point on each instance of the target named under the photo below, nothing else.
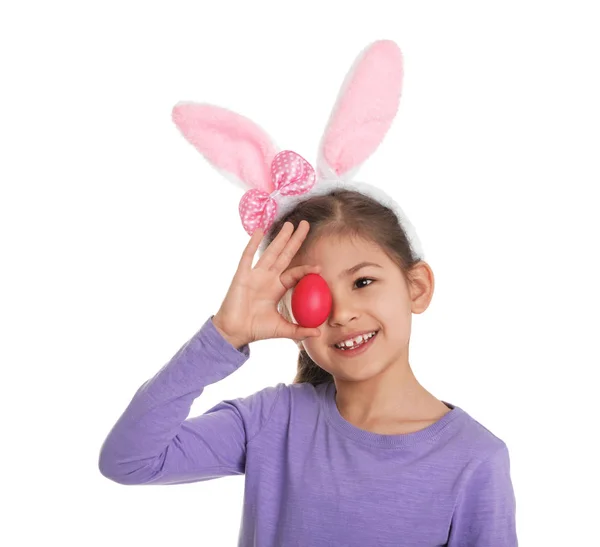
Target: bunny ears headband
(276, 181)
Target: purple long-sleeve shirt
(311, 477)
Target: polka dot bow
(291, 175)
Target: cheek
(314, 348)
(319, 353)
(389, 308)
(395, 317)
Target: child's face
(382, 302)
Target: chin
(351, 370)
(356, 373)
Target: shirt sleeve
(154, 443)
(484, 515)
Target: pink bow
(292, 175)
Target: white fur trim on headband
(285, 204)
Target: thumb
(302, 333)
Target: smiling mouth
(357, 348)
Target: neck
(395, 394)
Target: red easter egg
(311, 301)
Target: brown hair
(345, 213)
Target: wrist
(236, 342)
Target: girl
(355, 452)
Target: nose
(342, 311)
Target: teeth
(355, 341)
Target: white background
(113, 256)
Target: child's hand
(249, 311)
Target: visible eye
(363, 279)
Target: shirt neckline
(381, 440)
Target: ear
(364, 111)
(234, 145)
(421, 287)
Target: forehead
(340, 252)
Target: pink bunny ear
(233, 144)
(364, 111)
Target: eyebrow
(354, 269)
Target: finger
(300, 334)
(291, 277)
(250, 250)
(271, 253)
(291, 248)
